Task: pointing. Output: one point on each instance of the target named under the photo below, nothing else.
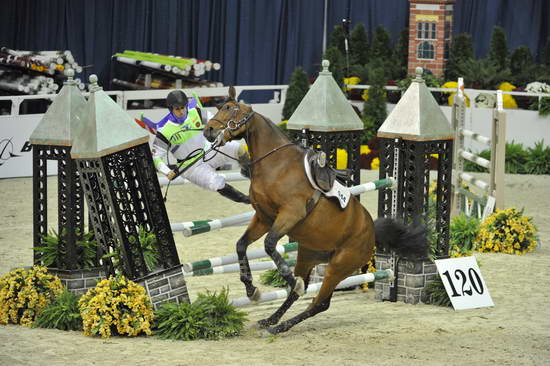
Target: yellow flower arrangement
(508, 101)
(364, 150)
(24, 293)
(341, 159)
(507, 231)
(375, 164)
(116, 305)
(354, 80)
(453, 85)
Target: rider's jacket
(182, 136)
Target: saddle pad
(341, 192)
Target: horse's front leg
(282, 225)
(254, 231)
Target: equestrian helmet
(176, 98)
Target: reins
(231, 126)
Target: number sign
(464, 283)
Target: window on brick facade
(425, 30)
(426, 50)
(446, 50)
(447, 30)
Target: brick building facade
(430, 31)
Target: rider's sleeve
(160, 150)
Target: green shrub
(538, 161)
(461, 50)
(148, 242)
(522, 65)
(436, 293)
(272, 277)
(463, 233)
(50, 253)
(359, 45)
(211, 316)
(482, 74)
(498, 52)
(337, 64)
(297, 90)
(374, 108)
(516, 158)
(63, 313)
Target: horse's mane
(276, 130)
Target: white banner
(15, 150)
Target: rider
(180, 132)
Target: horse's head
(230, 122)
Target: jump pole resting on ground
(232, 258)
(191, 228)
(314, 287)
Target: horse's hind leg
(340, 267)
(254, 231)
(303, 268)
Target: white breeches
(204, 173)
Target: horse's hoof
(264, 323)
(256, 295)
(299, 287)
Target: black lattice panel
(444, 181)
(116, 189)
(413, 181)
(385, 170)
(152, 204)
(70, 203)
(70, 208)
(98, 216)
(40, 196)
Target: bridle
(232, 125)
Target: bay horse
(287, 204)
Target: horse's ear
(232, 93)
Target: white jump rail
(493, 191)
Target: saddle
(322, 174)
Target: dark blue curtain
(256, 41)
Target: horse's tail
(409, 241)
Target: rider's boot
(233, 194)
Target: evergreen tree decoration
(374, 108)
(381, 46)
(337, 39)
(523, 67)
(402, 54)
(498, 52)
(359, 46)
(461, 50)
(482, 74)
(297, 89)
(521, 59)
(337, 64)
